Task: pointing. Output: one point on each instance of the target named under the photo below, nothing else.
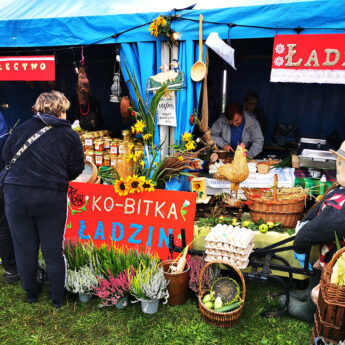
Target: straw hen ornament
(237, 171)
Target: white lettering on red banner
(27, 68)
(309, 59)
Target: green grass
(76, 323)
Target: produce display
(231, 244)
(224, 296)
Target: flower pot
(149, 307)
(122, 303)
(84, 297)
(178, 283)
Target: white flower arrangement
(81, 281)
(156, 287)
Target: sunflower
(134, 184)
(147, 136)
(142, 163)
(133, 129)
(186, 136)
(181, 158)
(139, 126)
(148, 186)
(190, 145)
(120, 187)
(160, 21)
(129, 157)
(153, 28)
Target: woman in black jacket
(35, 192)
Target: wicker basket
(288, 212)
(223, 320)
(332, 293)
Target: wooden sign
(33, 68)
(97, 213)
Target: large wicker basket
(288, 212)
(329, 319)
(223, 320)
(332, 293)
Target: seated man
(238, 126)
(250, 102)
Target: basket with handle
(223, 320)
(288, 211)
(332, 293)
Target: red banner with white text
(309, 59)
(96, 213)
(27, 68)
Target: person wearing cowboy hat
(319, 226)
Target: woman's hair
(53, 103)
(232, 109)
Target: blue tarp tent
(43, 23)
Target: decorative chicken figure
(237, 171)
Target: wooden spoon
(198, 71)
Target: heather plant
(211, 274)
(81, 281)
(149, 283)
(112, 289)
(78, 254)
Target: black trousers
(6, 245)
(37, 217)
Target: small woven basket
(332, 293)
(223, 320)
(288, 212)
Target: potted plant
(114, 291)
(82, 282)
(149, 286)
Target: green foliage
(78, 254)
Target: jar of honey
(114, 147)
(113, 160)
(99, 145)
(99, 157)
(106, 162)
(106, 143)
(126, 134)
(122, 147)
(88, 141)
(90, 156)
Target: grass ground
(76, 323)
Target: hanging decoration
(160, 26)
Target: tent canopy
(37, 23)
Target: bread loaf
(263, 167)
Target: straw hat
(341, 151)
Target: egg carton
(234, 256)
(238, 263)
(229, 247)
(233, 239)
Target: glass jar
(122, 147)
(126, 134)
(99, 155)
(113, 160)
(88, 141)
(99, 145)
(90, 156)
(114, 147)
(106, 162)
(106, 143)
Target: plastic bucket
(84, 297)
(178, 283)
(150, 307)
(122, 303)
